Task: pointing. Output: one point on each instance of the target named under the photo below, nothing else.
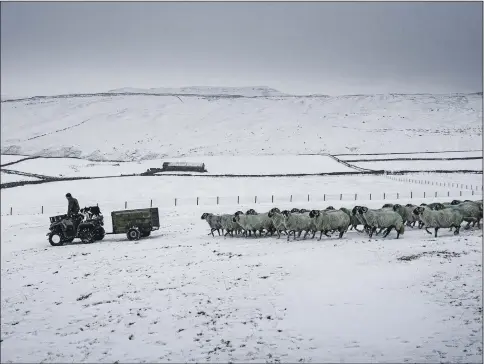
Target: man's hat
(68, 195)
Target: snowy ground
(462, 154)
(419, 165)
(456, 180)
(8, 177)
(133, 127)
(182, 296)
(112, 193)
(10, 158)
(242, 165)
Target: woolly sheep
(295, 222)
(325, 221)
(355, 220)
(382, 218)
(471, 212)
(406, 212)
(254, 223)
(277, 220)
(229, 225)
(437, 219)
(214, 221)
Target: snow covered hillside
(133, 127)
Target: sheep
(295, 222)
(277, 220)
(414, 218)
(229, 225)
(387, 205)
(215, 222)
(471, 212)
(251, 212)
(294, 210)
(254, 223)
(325, 221)
(437, 219)
(354, 219)
(406, 212)
(383, 218)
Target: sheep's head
(302, 211)
(419, 210)
(423, 204)
(396, 207)
(314, 213)
(387, 205)
(355, 210)
(437, 206)
(236, 218)
(286, 213)
(455, 202)
(362, 210)
(409, 205)
(329, 208)
(251, 212)
(275, 209)
(295, 210)
(205, 215)
(239, 213)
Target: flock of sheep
(435, 215)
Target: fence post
(238, 200)
(356, 196)
(370, 196)
(472, 192)
(255, 199)
(151, 203)
(383, 195)
(291, 199)
(175, 201)
(42, 210)
(461, 192)
(411, 194)
(11, 211)
(197, 201)
(340, 196)
(125, 205)
(397, 195)
(308, 197)
(272, 198)
(324, 197)
(435, 193)
(217, 200)
(448, 193)
(424, 194)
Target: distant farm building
(183, 167)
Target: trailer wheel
(55, 239)
(133, 234)
(144, 234)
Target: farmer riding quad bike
(87, 226)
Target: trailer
(136, 224)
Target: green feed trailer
(137, 223)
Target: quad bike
(86, 226)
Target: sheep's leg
(427, 230)
(326, 233)
(457, 228)
(421, 225)
(360, 231)
(388, 231)
(372, 231)
(320, 235)
(314, 234)
(341, 232)
(436, 229)
(299, 234)
(218, 230)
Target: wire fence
(301, 199)
(461, 186)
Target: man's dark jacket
(73, 207)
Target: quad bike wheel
(99, 233)
(86, 236)
(144, 234)
(55, 239)
(133, 234)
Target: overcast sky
(329, 48)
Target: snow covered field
(111, 193)
(463, 154)
(133, 127)
(8, 177)
(456, 180)
(182, 296)
(237, 165)
(10, 158)
(417, 165)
